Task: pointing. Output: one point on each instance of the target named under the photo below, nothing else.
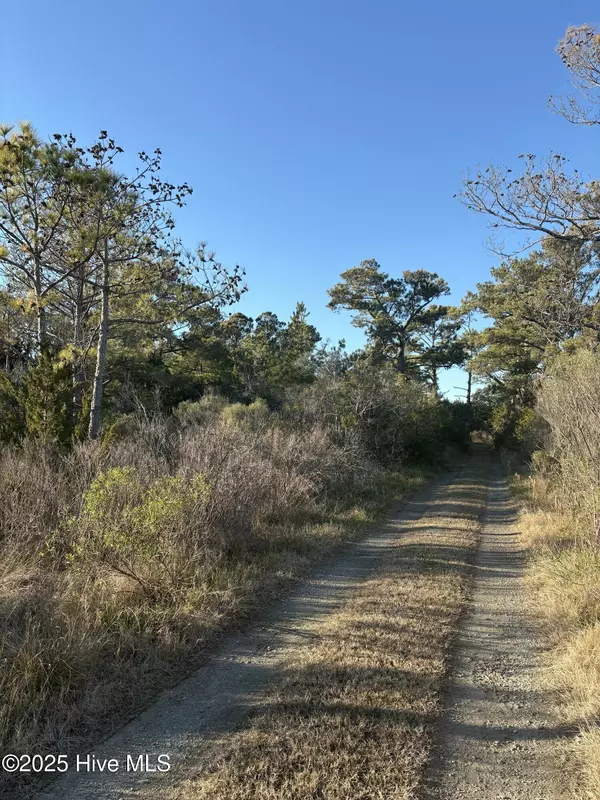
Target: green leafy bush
(151, 534)
(119, 428)
(253, 416)
(199, 412)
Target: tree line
(105, 311)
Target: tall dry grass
(569, 402)
(561, 526)
(120, 561)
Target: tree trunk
(469, 384)
(98, 385)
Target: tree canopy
(395, 313)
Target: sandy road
(497, 739)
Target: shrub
(563, 532)
(151, 535)
(199, 412)
(121, 427)
(12, 414)
(48, 400)
(253, 416)
(154, 541)
(394, 420)
(38, 492)
(531, 431)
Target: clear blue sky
(315, 133)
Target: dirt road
(497, 740)
(492, 742)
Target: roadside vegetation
(561, 526)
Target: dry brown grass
(351, 717)
(84, 646)
(588, 756)
(567, 591)
(546, 531)
(569, 401)
(575, 674)
(564, 581)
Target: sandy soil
(497, 739)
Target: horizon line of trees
(104, 311)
